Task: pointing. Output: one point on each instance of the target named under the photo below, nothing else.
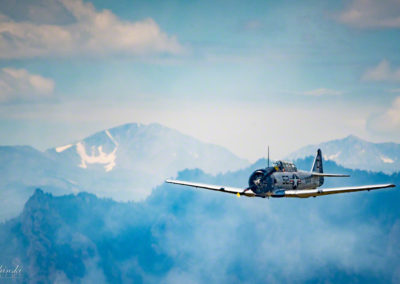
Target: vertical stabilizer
(317, 166)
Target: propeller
(258, 177)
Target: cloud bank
(382, 72)
(389, 120)
(322, 92)
(372, 14)
(20, 84)
(92, 33)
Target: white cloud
(93, 32)
(20, 84)
(372, 14)
(388, 121)
(382, 72)
(322, 92)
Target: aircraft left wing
(226, 189)
(325, 191)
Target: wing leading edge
(302, 193)
(226, 189)
(325, 191)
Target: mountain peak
(125, 162)
(135, 126)
(126, 126)
(40, 195)
(356, 153)
(352, 137)
(38, 191)
(37, 200)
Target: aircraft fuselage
(266, 181)
(296, 180)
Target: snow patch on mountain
(101, 158)
(63, 148)
(386, 160)
(332, 157)
(111, 137)
(97, 155)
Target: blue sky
(239, 74)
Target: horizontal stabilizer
(328, 175)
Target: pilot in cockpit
(279, 166)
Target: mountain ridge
(123, 162)
(83, 238)
(356, 153)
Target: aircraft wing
(326, 191)
(328, 175)
(226, 189)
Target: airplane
(284, 180)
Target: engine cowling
(261, 181)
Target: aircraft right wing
(328, 175)
(325, 191)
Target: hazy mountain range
(183, 235)
(355, 153)
(124, 163)
(128, 161)
(172, 234)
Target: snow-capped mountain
(140, 146)
(123, 163)
(356, 153)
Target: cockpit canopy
(283, 166)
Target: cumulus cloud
(372, 14)
(382, 72)
(322, 92)
(20, 84)
(92, 32)
(388, 121)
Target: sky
(241, 74)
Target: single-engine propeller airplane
(284, 180)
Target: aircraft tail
(317, 166)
